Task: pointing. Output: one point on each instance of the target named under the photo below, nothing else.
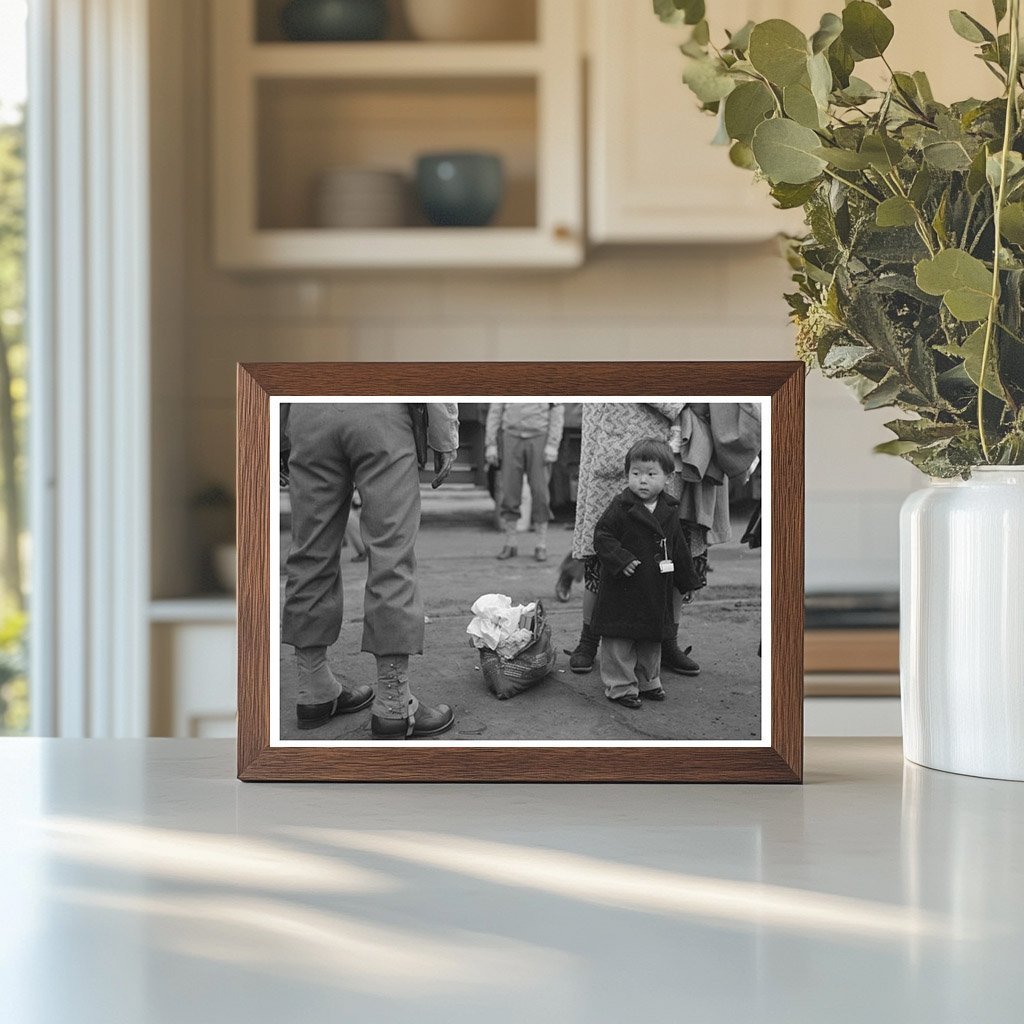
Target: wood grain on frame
(424, 761)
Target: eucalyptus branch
(1000, 198)
(969, 218)
(981, 231)
(771, 89)
(853, 185)
(923, 228)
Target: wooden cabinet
(286, 113)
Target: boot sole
(417, 735)
(582, 671)
(315, 723)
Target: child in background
(643, 554)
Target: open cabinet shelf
(288, 114)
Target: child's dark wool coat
(640, 606)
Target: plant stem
(993, 309)
(850, 184)
(923, 229)
(768, 85)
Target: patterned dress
(609, 430)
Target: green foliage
(13, 416)
(14, 708)
(903, 289)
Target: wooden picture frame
(777, 758)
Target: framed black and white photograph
(535, 571)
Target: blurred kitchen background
(303, 199)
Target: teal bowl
(334, 21)
(460, 190)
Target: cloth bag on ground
(515, 646)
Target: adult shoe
(425, 722)
(312, 716)
(678, 661)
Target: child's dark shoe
(628, 700)
(658, 694)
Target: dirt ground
(455, 551)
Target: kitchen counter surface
(143, 884)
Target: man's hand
(443, 462)
(550, 455)
(631, 568)
(491, 455)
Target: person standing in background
(531, 436)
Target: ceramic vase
(962, 624)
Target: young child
(643, 554)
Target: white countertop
(142, 884)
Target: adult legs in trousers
(336, 446)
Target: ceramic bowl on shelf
(470, 20)
(460, 189)
(361, 198)
(334, 21)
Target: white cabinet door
(653, 174)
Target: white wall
(721, 302)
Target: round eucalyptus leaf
(883, 153)
(779, 51)
(866, 29)
(994, 168)
(895, 212)
(785, 151)
(746, 107)
(1012, 223)
(800, 105)
(820, 75)
(841, 61)
(789, 197)
(674, 12)
(739, 41)
(963, 281)
(968, 28)
(743, 156)
(707, 80)
(972, 353)
(829, 31)
(844, 159)
(947, 156)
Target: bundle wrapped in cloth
(514, 643)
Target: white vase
(962, 624)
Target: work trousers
(629, 666)
(524, 456)
(336, 447)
